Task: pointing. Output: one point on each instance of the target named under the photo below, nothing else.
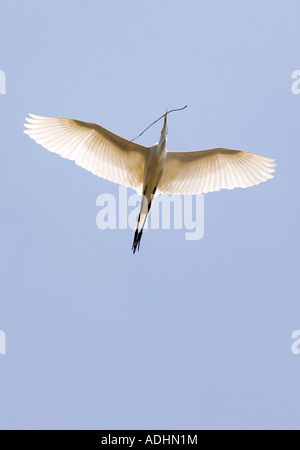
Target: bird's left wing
(212, 170)
(92, 147)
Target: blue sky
(184, 334)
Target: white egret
(148, 170)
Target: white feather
(212, 170)
(92, 147)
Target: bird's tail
(137, 240)
(138, 232)
(144, 211)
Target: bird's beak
(164, 130)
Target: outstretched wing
(92, 147)
(212, 170)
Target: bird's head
(164, 131)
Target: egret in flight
(148, 170)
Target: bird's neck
(162, 145)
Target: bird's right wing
(92, 147)
(212, 170)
